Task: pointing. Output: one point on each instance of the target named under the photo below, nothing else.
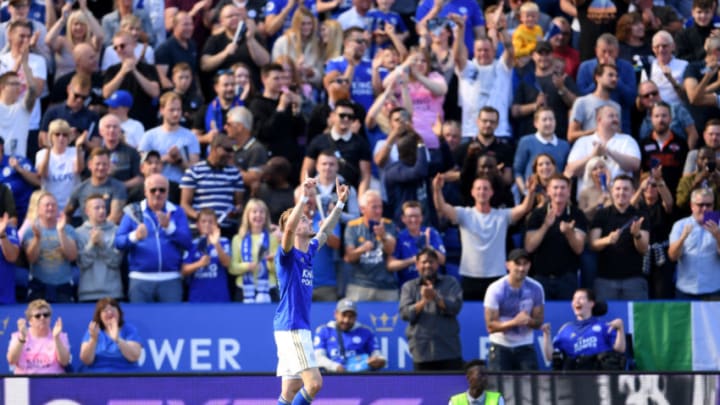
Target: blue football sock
(302, 398)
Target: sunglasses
(160, 190)
(228, 149)
(704, 205)
(344, 116)
(360, 41)
(119, 46)
(81, 96)
(42, 315)
(62, 134)
(651, 94)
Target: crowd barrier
(377, 389)
(194, 337)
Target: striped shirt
(214, 187)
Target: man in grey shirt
(482, 232)
(100, 182)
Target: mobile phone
(627, 224)
(603, 182)
(240, 32)
(372, 224)
(654, 162)
(712, 216)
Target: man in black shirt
(223, 50)
(620, 234)
(352, 151)
(556, 237)
(135, 76)
(179, 47)
(499, 148)
(278, 121)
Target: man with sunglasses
(352, 151)
(154, 233)
(215, 183)
(695, 245)
(21, 119)
(352, 66)
(682, 123)
(16, 109)
(73, 110)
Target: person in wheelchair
(588, 343)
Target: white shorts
(295, 352)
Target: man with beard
(582, 115)
(177, 145)
(215, 183)
(663, 147)
(345, 344)
(625, 90)
(430, 305)
(211, 119)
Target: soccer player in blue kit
(301, 379)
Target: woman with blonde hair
(142, 49)
(80, 27)
(331, 39)
(38, 349)
(59, 166)
(595, 191)
(301, 43)
(253, 254)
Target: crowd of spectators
(149, 147)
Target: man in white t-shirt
(482, 232)
(19, 35)
(621, 151)
(15, 110)
(484, 81)
(19, 38)
(178, 146)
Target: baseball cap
(120, 98)
(543, 47)
(148, 154)
(345, 305)
(517, 254)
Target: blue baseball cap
(120, 98)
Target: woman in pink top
(427, 91)
(38, 349)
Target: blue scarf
(251, 292)
(214, 114)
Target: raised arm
(288, 236)
(330, 222)
(445, 209)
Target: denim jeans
(155, 291)
(519, 358)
